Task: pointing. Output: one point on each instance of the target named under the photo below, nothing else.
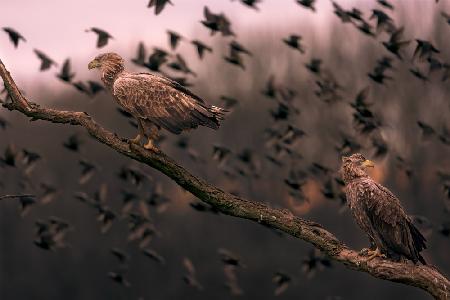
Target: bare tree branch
(425, 277)
(15, 196)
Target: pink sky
(57, 27)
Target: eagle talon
(150, 146)
(374, 253)
(136, 140)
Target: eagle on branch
(379, 213)
(154, 101)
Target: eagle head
(106, 60)
(110, 64)
(354, 166)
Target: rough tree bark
(427, 278)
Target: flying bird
(88, 170)
(385, 62)
(155, 101)
(234, 45)
(73, 143)
(308, 4)
(378, 75)
(14, 36)
(229, 258)
(231, 263)
(46, 62)
(156, 59)
(395, 43)
(51, 233)
(159, 5)
(152, 254)
(49, 193)
(386, 4)
(355, 14)
(190, 278)
(134, 175)
(174, 39)
(380, 146)
(379, 213)
(315, 261)
(281, 281)
(293, 41)
(384, 22)
(231, 280)
(427, 130)
(234, 58)
(201, 48)
(29, 160)
(444, 229)
(435, 64)
(66, 73)
(444, 136)
(424, 49)
(10, 156)
(217, 22)
(365, 28)
(25, 202)
(250, 3)
(314, 65)
(328, 89)
(121, 255)
(341, 13)
(3, 123)
(102, 36)
(95, 87)
(141, 55)
(82, 87)
(271, 89)
(180, 64)
(119, 277)
(418, 74)
(228, 102)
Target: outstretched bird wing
(164, 102)
(390, 222)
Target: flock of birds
(281, 137)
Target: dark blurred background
(267, 144)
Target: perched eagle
(379, 213)
(155, 101)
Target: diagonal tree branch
(425, 277)
(16, 196)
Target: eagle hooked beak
(368, 164)
(93, 64)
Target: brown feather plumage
(379, 213)
(156, 101)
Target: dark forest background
(410, 160)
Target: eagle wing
(393, 227)
(164, 102)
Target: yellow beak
(93, 64)
(368, 164)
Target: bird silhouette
(102, 36)
(14, 36)
(46, 62)
(159, 5)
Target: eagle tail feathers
(217, 114)
(418, 243)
